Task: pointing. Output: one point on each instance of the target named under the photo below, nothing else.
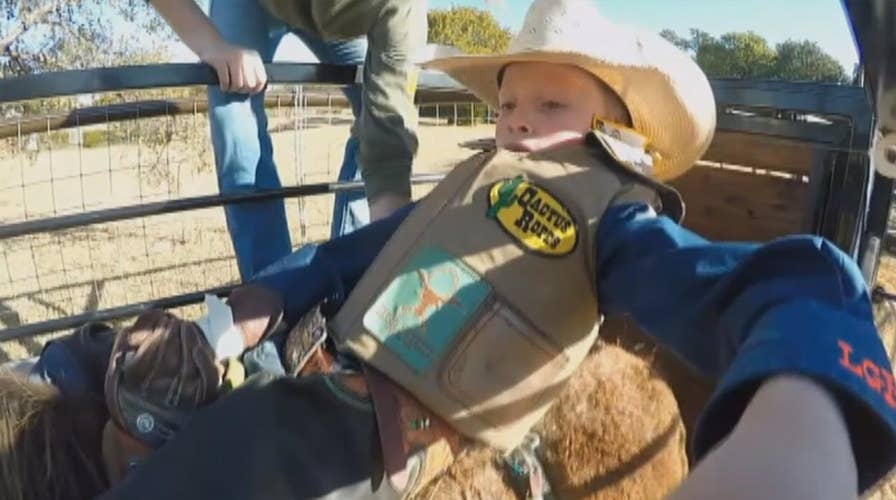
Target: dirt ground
(113, 264)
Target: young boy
(484, 298)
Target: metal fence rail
(323, 77)
(86, 81)
(184, 204)
(110, 314)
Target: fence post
(455, 114)
(472, 116)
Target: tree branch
(26, 22)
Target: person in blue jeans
(236, 38)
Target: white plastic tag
(217, 325)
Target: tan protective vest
(483, 301)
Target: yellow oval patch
(533, 216)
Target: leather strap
(416, 444)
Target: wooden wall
(737, 203)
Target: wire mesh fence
(126, 159)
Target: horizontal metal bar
(93, 115)
(808, 97)
(184, 204)
(807, 132)
(130, 310)
(86, 81)
(805, 96)
(433, 87)
(180, 266)
(112, 113)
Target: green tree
(735, 55)
(39, 36)
(471, 30)
(807, 61)
(678, 41)
(748, 55)
(47, 35)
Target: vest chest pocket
(503, 369)
(446, 324)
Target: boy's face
(544, 105)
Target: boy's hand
(239, 69)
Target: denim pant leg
(242, 146)
(349, 208)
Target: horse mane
(50, 443)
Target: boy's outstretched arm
(745, 313)
(329, 270)
(791, 442)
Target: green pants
(387, 126)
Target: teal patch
(425, 307)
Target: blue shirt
(737, 312)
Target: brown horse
(614, 433)
(50, 444)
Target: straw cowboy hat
(667, 95)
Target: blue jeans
(350, 210)
(242, 145)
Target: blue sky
(822, 21)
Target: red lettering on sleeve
(880, 380)
(890, 391)
(872, 375)
(845, 351)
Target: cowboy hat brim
(661, 108)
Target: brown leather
(320, 361)
(121, 451)
(416, 444)
(304, 345)
(353, 382)
(161, 369)
(256, 312)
